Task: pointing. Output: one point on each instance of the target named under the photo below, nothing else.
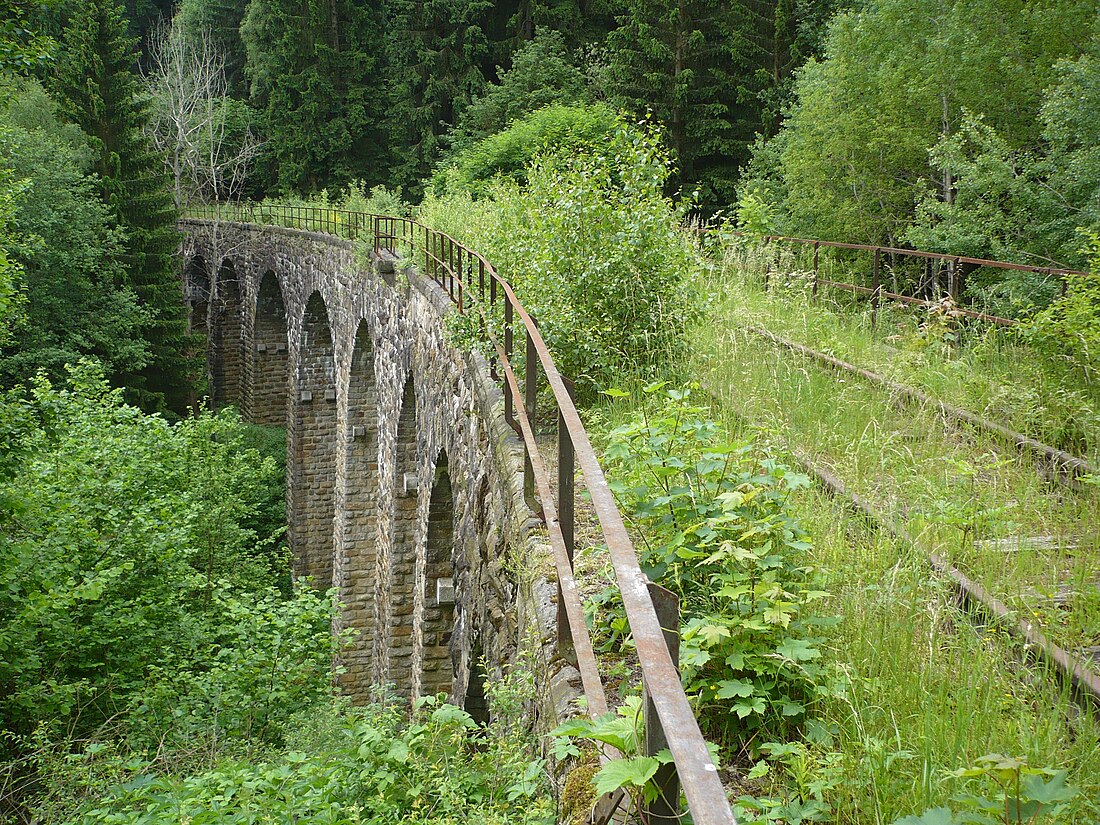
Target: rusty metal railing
(474, 286)
(946, 277)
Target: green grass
(926, 689)
(923, 689)
(955, 490)
(986, 369)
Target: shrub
(557, 128)
(594, 249)
(120, 539)
(718, 533)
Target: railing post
(665, 809)
(816, 250)
(953, 279)
(530, 398)
(463, 256)
(566, 518)
(508, 415)
(875, 287)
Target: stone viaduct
(404, 483)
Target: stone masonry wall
(423, 475)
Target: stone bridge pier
(404, 483)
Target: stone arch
(226, 350)
(397, 579)
(197, 293)
(313, 446)
(356, 535)
(270, 359)
(435, 613)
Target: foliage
(22, 47)
(1069, 329)
(1021, 795)
(358, 765)
(718, 533)
(69, 253)
(706, 70)
(896, 80)
(540, 75)
(623, 730)
(595, 251)
(123, 540)
(561, 129)
(315, 73)
(98, 91)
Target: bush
(595, 251)
(557, 128)
(344, 765)
(718, 533)
(1068, 331)
(121, 540)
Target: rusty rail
(1067, 466)
(470, 280)
(877, 293)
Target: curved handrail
(452, 265)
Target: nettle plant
(715, 528)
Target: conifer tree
(439, 54)
(688, 63)
(98, 91)
(314, 69)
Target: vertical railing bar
(508, 416)
(665, 809)
(816, 250)
(566, 518)
(530, 397)
(875, 287)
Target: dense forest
(964, 126)
(157, 661)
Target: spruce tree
(314, 67)
(439, 53)
(98, 89)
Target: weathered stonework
(404, 483)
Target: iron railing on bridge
(939, 273)
(474, 286)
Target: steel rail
(702, 787)
(1070, 669)
(1058, 459)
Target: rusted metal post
(665, 809)
(875, 287)
(816, 250)
(509, 416)
(566, 518)
(463, 257)
(530, 397)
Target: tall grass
(987, 369)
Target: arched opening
(314, 447)
(226, 341)
(437, 614)
(476, 702)
(358, 535)
(398, 586)
(270, 366)
(197, 295)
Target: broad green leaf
(632, 771)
